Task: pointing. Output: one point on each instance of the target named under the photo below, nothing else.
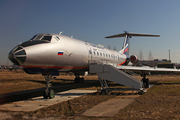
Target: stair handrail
(102, 62)
(136, 76)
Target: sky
(92, 21)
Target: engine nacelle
(133, 59)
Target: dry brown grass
(162, 101)
(14, 81)
(164, 78)
(11, 81)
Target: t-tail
(125, 48)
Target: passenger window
(97, 54)
(103, 55)
(89, 51)
(100, 54)
(94, 53)
(106, 55)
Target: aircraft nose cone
(17, 55)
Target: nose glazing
(17, 55)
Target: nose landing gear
(48, 93)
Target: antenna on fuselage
(61, 32)
(20, 43)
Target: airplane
(49, 54)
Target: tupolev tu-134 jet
(49, 54)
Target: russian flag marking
(60, 53)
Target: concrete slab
(110, 107)
(39, 102)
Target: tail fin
(125, 48)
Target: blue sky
(92, 21)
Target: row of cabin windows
(104, 55)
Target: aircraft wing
(148, 69)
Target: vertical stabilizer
(125, 48)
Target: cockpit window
(38, 37)
(33, 37)
(47, 38)
(41, 37)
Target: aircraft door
(89, 52)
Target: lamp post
(169, 55)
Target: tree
(115, 48)
(109, 47)
(150, 57)
(140, 55)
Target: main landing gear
(78, 79)
(48, 93)
(145, 80)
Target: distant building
(164, 63)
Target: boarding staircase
(111, 73)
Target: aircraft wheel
(76, 80)
(44, 95)
(51, 94)
(104, 91)
(146, 82)
(140, 93)
(81, 80)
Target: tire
(76, 80)
(44, 95)
(81, 80)
(51, 94)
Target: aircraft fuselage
(61, 53)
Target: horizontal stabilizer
(132, 34)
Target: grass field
(14, 81)
(162, 101)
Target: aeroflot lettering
(96, 46)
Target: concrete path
(39, 102)
(110, 107)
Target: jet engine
(134, 59)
